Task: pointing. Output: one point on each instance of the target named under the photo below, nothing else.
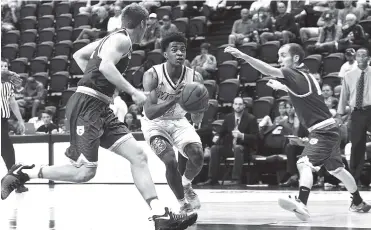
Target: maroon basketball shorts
(92, 124)
(323, 149)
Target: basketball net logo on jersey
(166, 89)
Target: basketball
(194, 98)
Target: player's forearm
(154, 111)
(261, 66)
(109, 70)
(15, 109)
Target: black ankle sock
(357, 198)
(304, 194)
(151, 199)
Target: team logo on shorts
(313, 141)
(80, 130)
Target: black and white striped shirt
(7, 91)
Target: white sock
(186, 181)
(157, 207)
(182, 201)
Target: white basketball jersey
(166, 90)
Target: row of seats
(51, 8)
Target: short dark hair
(296, 49)
(205, 46)
(364, 48)
(172, 37)
(4, 60)
(133, 15)
(50, 113)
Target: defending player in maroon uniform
(93, 124)
(323, 147)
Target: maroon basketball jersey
(93, 78)
(306, 96)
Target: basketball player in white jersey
(165, 125)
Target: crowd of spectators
(322, 27)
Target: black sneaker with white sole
(14, 179)
(173, 221)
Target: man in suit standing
(237, 138)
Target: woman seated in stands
(267, 121)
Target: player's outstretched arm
(83, 55)
(151, 108)
(261, 66)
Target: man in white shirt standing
(350, 64)
(114, 22)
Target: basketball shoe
(172, 221)
(296, 206)
(362, 207)
(14, 179)
(191, 196)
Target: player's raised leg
(164, 150)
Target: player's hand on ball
(234, 51)
(276, 85)
(139, 98)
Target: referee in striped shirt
(8, 103)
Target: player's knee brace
(195, 153)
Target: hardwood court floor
(113, 207)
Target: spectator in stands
(150, 4)
(328, 34)
(242, 30)
(132, 122)
(350, 56)
(352, 34)
(114, 23)
(204, 63)
(10, 15)
(259, 5)
(348, 9)
(238, 136)
(37, 121)
(165, 29)
(327, 93)
(292, 150)
(285, 27)
(337, 91)
(152, 33)
(135, 110)
(267, 121)
(311, 32)
(215, 5)
(263, 22)
(48, 126)
(297, 9)
(99, 26)
(91, 9)
(33, 93)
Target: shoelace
(177, 216)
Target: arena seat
(182, 24)
(39, 64)
(79, 44)
(59, 81)
(176, 12)
(137, 58)
(211, 87)
(11, 37)
(63, 48)
(28, 10)
(81, 19)
(19, 65)
(27, 50)
(210, 114)
(221, 56)
(227, 70)
(64, 33)
(250, 48)
(27, 23)
(45, 49)
(263, 107)
(135, 76)
(248, 74)
(154, 57)
(228, 90)
(46, 35)
(62, 8)
(332, 79)
(76, 5)
(42, 77)
(313, 62)
(45, 9)
(332, 63)
(58, 63)
(63, 20)
(197, 26)
(262, 89)
(366, 24)
(74, 68)
(66, 96)
(269, 51)
(28, 36)
(45, 21)
(162, 11)
(10, 51)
